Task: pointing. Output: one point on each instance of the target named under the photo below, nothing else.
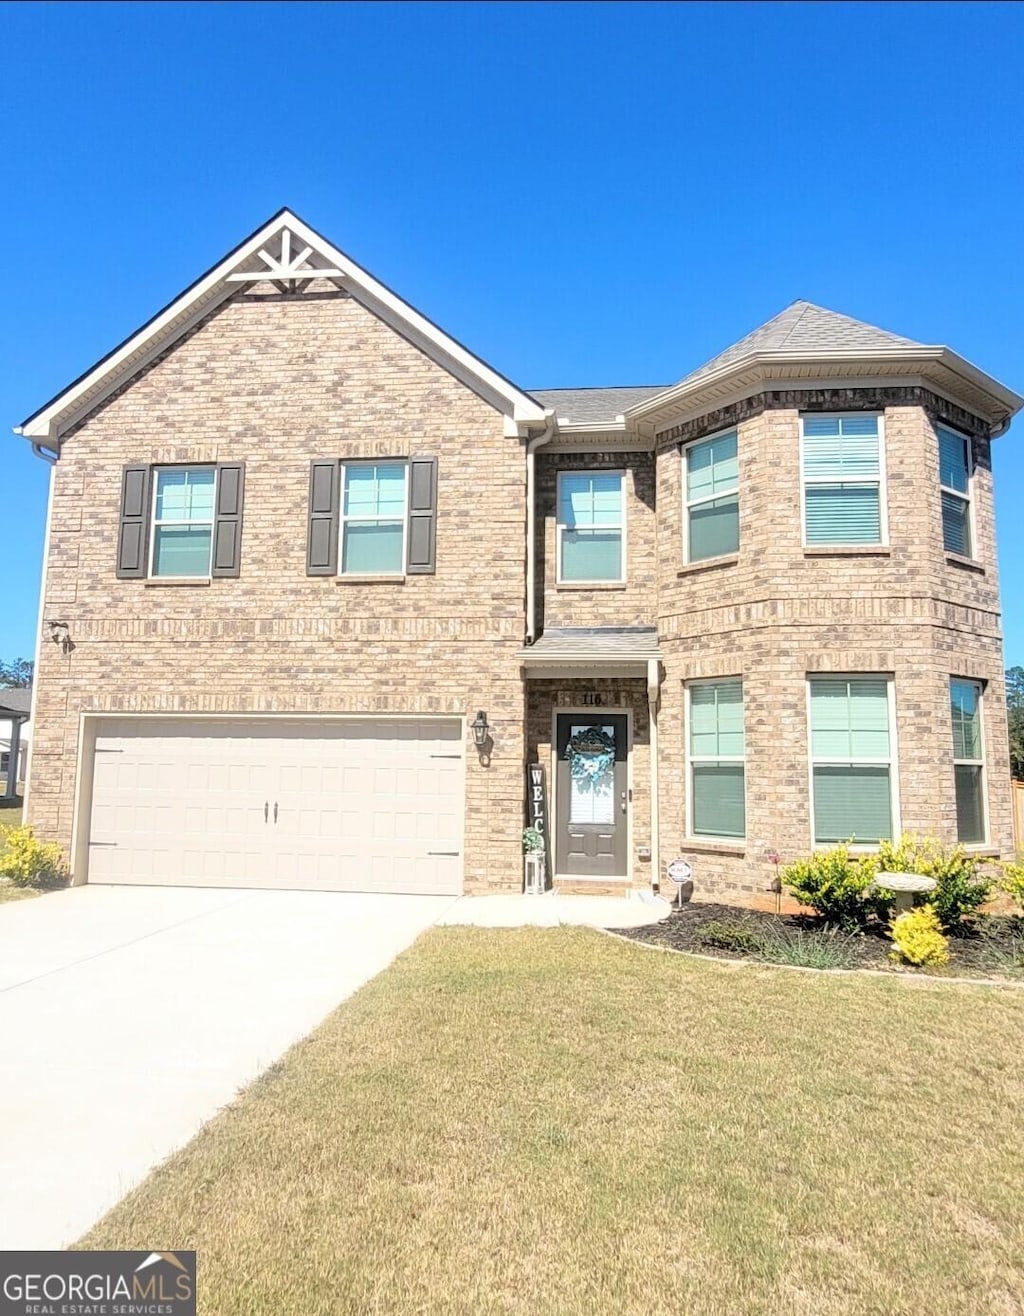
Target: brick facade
(276, 380)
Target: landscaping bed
(993, 946)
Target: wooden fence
(1017, 796)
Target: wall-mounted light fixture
(481, 731)
(60, 633)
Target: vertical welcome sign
(537, 801)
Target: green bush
(25, 861)
(727, 935)
(1013, 882)
(834, 883)
(809, 950)
(959, 889)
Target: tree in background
(18, 674)
(1015, 718)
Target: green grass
(9, 894)
(555, 1121)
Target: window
(712, 516)
(844, 493)
(373, 519)
(716, 759)
(851, 759)
(955, 485)
(968, 761)
(591, 526)
(183, 513)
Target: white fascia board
(155, 336)
(685, 399)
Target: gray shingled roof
(15, 701)
(617, 643)
(582, 406)
(804, 327)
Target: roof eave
(761, 367)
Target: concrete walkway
(130, 1015)
(552, 910)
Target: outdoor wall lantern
(481, 731)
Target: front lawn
(11, 893)
(556, 1121)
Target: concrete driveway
(129, 1016)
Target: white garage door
(330, 806)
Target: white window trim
(882, 481)
(560, 527)
(689, 502)
(691, 759)
(343, 519)
(171, 521)
(975, 763)
(892, 762)
(967, 497)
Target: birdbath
(905, 886)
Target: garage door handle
(275, 811)
(448, 854)
(266, 810)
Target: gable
(286, 254)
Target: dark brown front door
(592, 811)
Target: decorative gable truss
(287, 253)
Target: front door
(593, 797)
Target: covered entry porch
(591, 698)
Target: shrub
(1013, 882)
(918, 937)
(723, 935)
(809, 950)
(25, 861)
(834, 884)
(959, 889)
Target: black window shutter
(227, 525)
(322, 534)
(133, 532)
(422, 538)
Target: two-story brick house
(300, 540)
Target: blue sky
(582, 193)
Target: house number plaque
(588, 699)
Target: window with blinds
(712, 513)
(851, 759)
(968, 760)
(844, 495)
(955, 491)
(716, 753)
(591, 526)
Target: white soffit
(936, 367)
(286, 252)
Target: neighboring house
(299, 538)
(15, 711)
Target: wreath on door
(590, 752)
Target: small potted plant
(535, 864)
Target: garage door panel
(361, 804)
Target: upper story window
(844, 492)
(851, 759)
(955, 471)
(180, 522)
(183, 513)
(968, 760)
(716, 753)
(373, 519)
(711, 520)
(591, 526)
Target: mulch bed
(984, 950)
